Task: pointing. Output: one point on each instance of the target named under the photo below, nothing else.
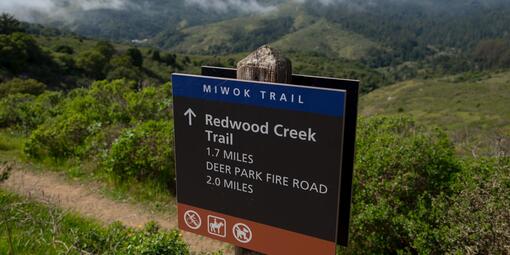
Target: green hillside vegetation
(287, 32)
(430, 36)
(327, 39)
(232, 36)
(64, 62)
(473, 108)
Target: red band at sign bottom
(250, 235)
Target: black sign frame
(351, 110)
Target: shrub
(11, 107)
(105, 48)
(399, 168)
(151, 104)
(143, 153)
(66, 49)
(78, 124)
(59, 138)
(92, 62)
(26, 112)
(64, 62)
(110, 98)
(476, 218)
(16, 85)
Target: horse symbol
(215, 226)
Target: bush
(64, 62)
(476, 218)
(106, 49)
(59, 138)
(399, 168)
(75, 128)
(92, 62)
(121, 67)
(16, 85)
(80, 116)
(26, 112)
(151, 104)
(110, 99)
(144, 153)
(66, 49)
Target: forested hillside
(395, 40)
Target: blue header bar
(271, 95)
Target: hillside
(287, 31)
(473, 109)
(334, 41)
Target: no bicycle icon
(192, 219)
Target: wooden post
(264, 64)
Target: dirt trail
(86, 200)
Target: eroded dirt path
(86, 200)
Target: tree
(170, 59)
(9, 24)
(493, 53)
(122, 67)
(92, 63)
(156, 56)
(105, 48)
(65, 49)
(136, 56)
(17, 50)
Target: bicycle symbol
(192, 219)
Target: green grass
(474, 111)
(11, 143)
(28, 227)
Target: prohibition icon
(242, 233)
(192, 219)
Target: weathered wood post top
(265, 64)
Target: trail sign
(259, 165)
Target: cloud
(226, 5)
(25, 9)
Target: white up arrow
(190, 114)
